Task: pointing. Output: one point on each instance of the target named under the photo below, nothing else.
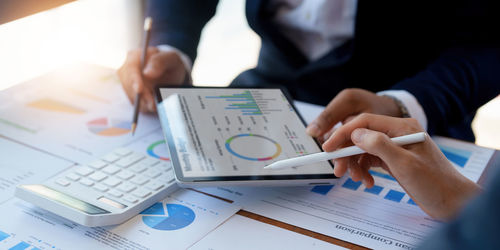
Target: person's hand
(420, 168)
(160, 67)
(347, 104)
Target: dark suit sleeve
(178, 23)
(454, 86)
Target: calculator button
(112, 181)
(153, 173)
(73, 177)
(154, 185)
(130, 199)
(122, 151)
(115, 193)
(129, 160)
(63, 182)
(97, 164)
(165, 165)
(125, 175)
(138, 168)
(150, 161)
(139, 180)
(87, 182)
(98, 176)
(141, 193)
(101, 187)
(110, 157)
(111, 169)
(126, 187)
(84, 171)
(165, 178)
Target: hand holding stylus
(420, 168)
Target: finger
(391, 126)
(371, 161)
(367, 177)
(159, 63)
(348, 119)
(380, 145)
(340, 167)
(354, 168)
(149, 100)
(346, 103)
(130, 73)
(325, 137)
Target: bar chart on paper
(467, 158)
(457, 156)
(386, 188)
(48, 104)
(10, 242)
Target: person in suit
(317, 49)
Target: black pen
(147, 30)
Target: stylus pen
(344, 152)
(147, 31)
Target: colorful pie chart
(159, 150)
(109, 127)
(252, 147)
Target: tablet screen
(223, 132)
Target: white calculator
(107, 191)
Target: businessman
(318, 48)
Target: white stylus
(344, 152)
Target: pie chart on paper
(105, 126)
(175, 217)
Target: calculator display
(65, 199)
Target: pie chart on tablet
(168, 217)
(105, 126)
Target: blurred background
(101, 32)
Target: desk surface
(492, 164)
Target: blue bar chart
(386, 188)
(248, 102)
(458, 156)
(245, 102)
(20, 246)
(323, 190)
(3, 235)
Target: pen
(344, 152)
(147, 30)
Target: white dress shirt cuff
(188, 64)
(415, 110)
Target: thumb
(378, 144)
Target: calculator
(106, 191)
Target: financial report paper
(177, 222)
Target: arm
(179, 23)
(449, 90)
(176, 29)
(455, 86)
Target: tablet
(226, 136)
